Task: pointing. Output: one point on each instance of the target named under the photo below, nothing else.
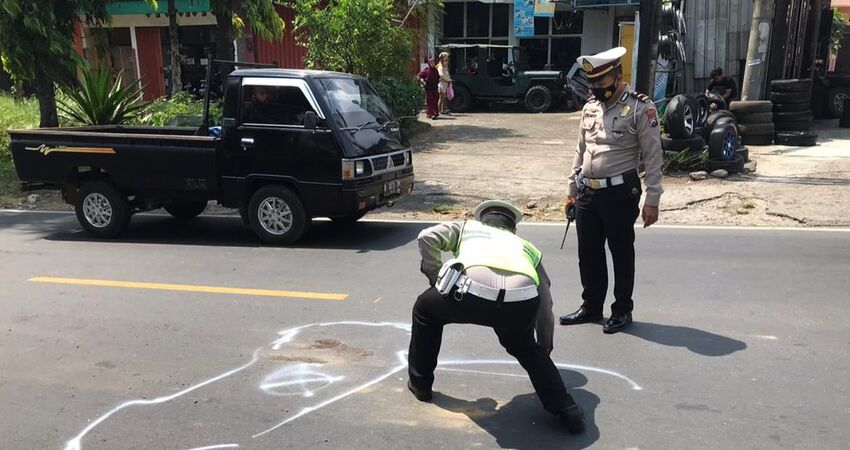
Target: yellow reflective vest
(482, 245)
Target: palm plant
(101, 101)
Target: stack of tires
(724, 148)
(792, 114)
(755, 119)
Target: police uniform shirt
(612, 140)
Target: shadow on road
(697, 341)
(522, 423)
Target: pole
(758, 50)
(645, 57)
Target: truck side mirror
(311, 120)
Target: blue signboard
(523, 18)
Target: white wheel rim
(97, 210)
(275, 216)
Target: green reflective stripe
(482, 245)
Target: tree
(176, 73)
(231, 17)
(362, 37)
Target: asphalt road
(740, 342)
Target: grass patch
(442, 209)
(13, 114)
(748, 205)
(9, 186)
(684, 161)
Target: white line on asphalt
(523, 224)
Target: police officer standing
(619, 127)
(496, 280)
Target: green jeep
(490, 73)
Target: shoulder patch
(642, 97)
(652, 117)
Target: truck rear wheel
(102, 210)
(186, 210)
(277, 215)
(538, 99)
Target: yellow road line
(191, 288)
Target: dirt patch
(321, 351)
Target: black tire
(700, 131)
(277, 230)
(795, 85)
(792, 116)
(751, 107)
(462, 101)
(722, 142)
(693, 144)
(714, 99)
(186, 210)
(102, 210)
(789, 107)
(349, 219)
(756, 128)
(734, 165)
(796, 138)
(835, 100)
(720, 118)
(797, 125)
(744, 152)
(790, 97)
(702, 108)
(754, 118)
(680, 117)
(538, 99)
(757, 139)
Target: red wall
(285, 51)
(150, 62)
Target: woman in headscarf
(430, 80)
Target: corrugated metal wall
(285, 51)
(718, 35)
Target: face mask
(605, 93)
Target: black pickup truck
(293, 145)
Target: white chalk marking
(767, 337)
(301, 375)
(211, 447)
(482, 372)
(635, 386)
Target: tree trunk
(176, 75)
(224, 36)
(46, 94)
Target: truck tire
(792, 116)
(681, 117)
(756, 128)
(102, 210)
(790, 97)
(462, 100)
(795, 85)
(349, 219)
(751, 107)
(734, 165)
(723, 142)
(789, 107)
(538, 99)
(754, 118)
(186, 210)
(693, 144)
(277, 215)
(835, 102)
(796, 138)
(757, 139)
(794, 125)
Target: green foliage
(404, 96)
(101, 101)
(260, 15)
(684, 161)
(354, 36)
(839, 26)
(163, 110)
(15, 114)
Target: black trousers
(513, 323)
(608, 215)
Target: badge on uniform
(653, 117)
(625, 111)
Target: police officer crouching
(493, 280)
(619, 127)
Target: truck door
(275, 145)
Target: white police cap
(599, 64)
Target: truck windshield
(355, 102)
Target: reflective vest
(482, 245)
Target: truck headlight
(359, 168)
(408, 158)
(347, 170)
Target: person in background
(445, 80)
(722, 85)
(429, 78)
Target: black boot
(617, 322)
(581, 316)
(573, 418)
(421, 394)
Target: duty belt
(602, 183)
(466, 285)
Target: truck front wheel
(101, 209)
(186, 210)
(277, 215)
